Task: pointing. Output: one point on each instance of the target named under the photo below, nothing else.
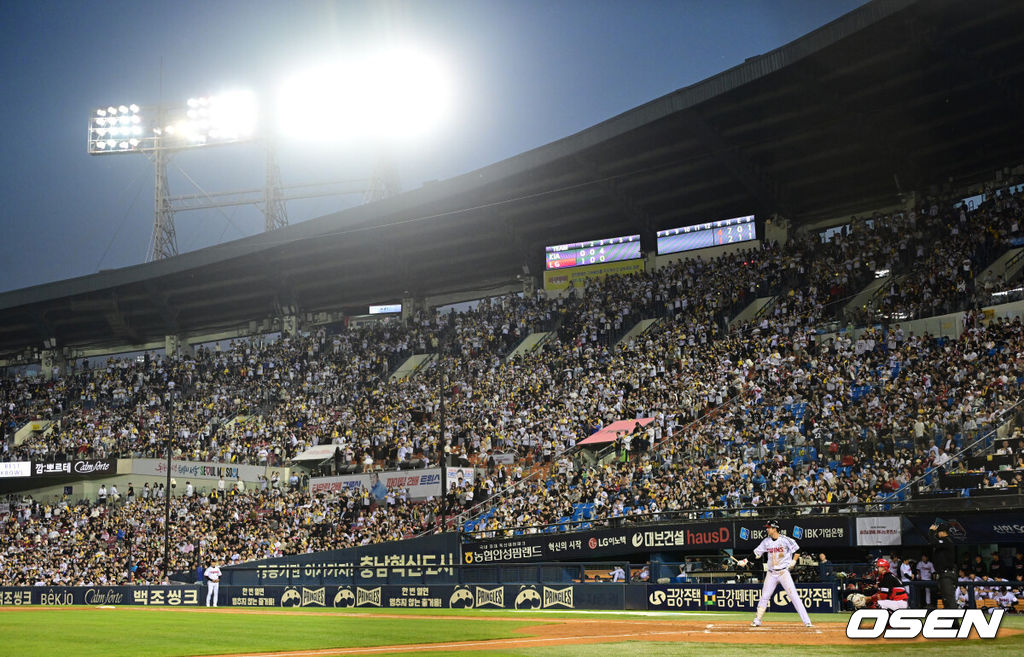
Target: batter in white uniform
(782, 555)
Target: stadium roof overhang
(892, 97)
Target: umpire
(944, 558)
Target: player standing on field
(212, 574)
(782, 555)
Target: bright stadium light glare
(390, 95)
(101, 112)
(111, 110)
(134, 108)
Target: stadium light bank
(383, 98)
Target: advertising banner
(881, 530)
(444, 596)
(203, 470)
(600, 543)
(559, 279)
(90, 468)
(819, 532)
(61, 596)
(15, 469)
(817, 598)
(976, 528)
(416, 560)
(421, 483)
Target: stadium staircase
(235, 420)
(411, 365)
(639, 329)
(868, 295)
(1008, 265)
(32, 428)
(530, 343)
(753, 310)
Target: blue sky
(526, 73)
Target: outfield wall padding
(608, 596)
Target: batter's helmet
(882, 563)
(774, 524)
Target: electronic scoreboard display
(701, 236)
(594, 252)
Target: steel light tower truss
(160, 132)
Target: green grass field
(148, 632)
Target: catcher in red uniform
(887, 593)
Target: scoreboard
(594, 252)
(701, 236)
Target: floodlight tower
(380, 96)
(164, 240)
(230, 118)
(274, 210)
(160, 132)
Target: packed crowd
(766, 414)
(58, 542)
(918, 402)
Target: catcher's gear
(858, 600)
(882, 564)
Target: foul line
(420, 647)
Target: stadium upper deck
(878, 104)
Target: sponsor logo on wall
(461, 598)
(15, 469)
(104, 597)
(93, 467)
(490, 597)
(528, 598)
(676, 597)
(291, 598)
(881, 530)
(368, 597)
(53, 597)
(253, 596)
(314, 597)
(558, 597)
(344, 598)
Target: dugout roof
(889, 98)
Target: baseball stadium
(738, 370)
